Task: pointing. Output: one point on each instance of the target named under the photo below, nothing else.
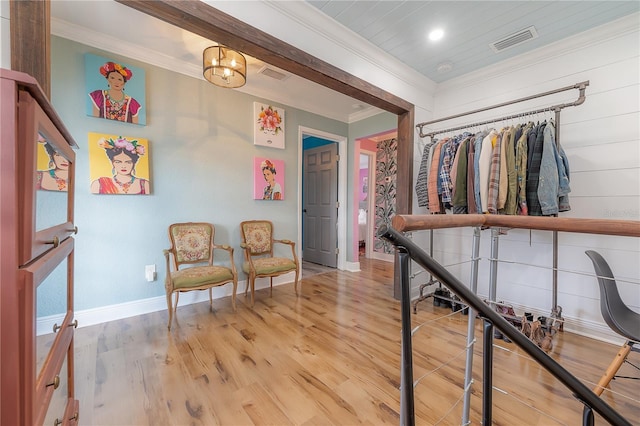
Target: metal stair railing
(408, 250)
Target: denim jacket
(554, 175)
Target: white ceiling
(401, 27)
(397, 27)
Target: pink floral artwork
(268, 125)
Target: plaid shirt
(494, 175)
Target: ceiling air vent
(514, 39)
(270, 72)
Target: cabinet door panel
(46, 188)
(50, 273)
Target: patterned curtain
(386, 172)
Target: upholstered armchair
(259, 261)
(192, 249)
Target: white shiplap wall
(601, 139)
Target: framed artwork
(268, 179)
(105, 86)
(118, 164)
(268, 125)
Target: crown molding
(306, 28)
(604, 33)
(115, 45)
(108, 43)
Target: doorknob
(304, 210)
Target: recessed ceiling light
(436, 34)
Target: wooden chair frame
(198, 265)
(250, 256)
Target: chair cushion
(270, 265)
(200, 275)
(258, 237)
(191, 243)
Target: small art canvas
(268, 179)
(268, 125)
(118, 164)
(107, 98)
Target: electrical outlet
(150, 272)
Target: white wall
(601, 139)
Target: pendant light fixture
(224, 67)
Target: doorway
(320, 202)
(340, 225)
(366, 203)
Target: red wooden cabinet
(36, 257)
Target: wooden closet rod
(581, 98)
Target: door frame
(342, 190)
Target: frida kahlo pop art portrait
(268, 179)
(118, 164)
(116, 91)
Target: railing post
(468, 379)
(407, 416)
(493, 267)
(487, 372)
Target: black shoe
(447, 295)
(455, 306)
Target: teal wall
(201, 157)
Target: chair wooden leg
(233, 296)
(253, 290)
(210, 297)
(613, 368)
(270, 286)
(169, 308)
(295, 283)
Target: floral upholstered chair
(259, 262)
(192, 250)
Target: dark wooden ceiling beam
(208, 22)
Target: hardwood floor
(330, 356)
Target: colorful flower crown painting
(268, 125)
(118, 165)
(115, 91)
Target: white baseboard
(93, 316)
(352, 266)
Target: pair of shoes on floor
(457, 305)
(440, 296)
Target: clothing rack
(556, 310)
(556, 108)
(581, 98)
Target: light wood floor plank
(330, 356)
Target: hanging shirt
(484, 169)
(494, 174)
(432, 185)
(533, 169)
(521, 170)
(512, 185)
(423, 175)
